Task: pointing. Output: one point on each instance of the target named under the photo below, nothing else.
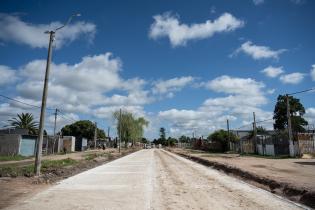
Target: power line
(21, 102)
(69, 118)
(303, 91)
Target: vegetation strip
(295, 194)
(55, 170)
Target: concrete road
(153, 179)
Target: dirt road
(153, 179)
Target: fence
(306, 142)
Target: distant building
(17, 144)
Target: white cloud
(293, 78)
(167, 25)
(7, 75)
(245, 96)
(271, 91)
(81, 88)
(235, 85)
(13, 29)
(310, 115)
(257, 2)
(313, 72)
(170, 86)
(258, 52)
(273, 72)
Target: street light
(44, 98)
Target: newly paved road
(153, 179)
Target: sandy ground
(153, 179)
(297, 172)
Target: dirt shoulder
(16, 187)
(292, 178)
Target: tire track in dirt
(187, 185)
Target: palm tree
(26, 121)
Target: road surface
(153, 179)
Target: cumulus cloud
(7, 75)
(235, 85)
(293, 78)
(258, 52)
(258, 2)
(313, 72)
(273, 72)
(244, 96)
(13, 29)
(170, 86)
(168, 25)
(80, 88)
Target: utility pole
(291, 146)
(228, 130)
(39, 144)
(119, 130)
(108, 129)
(95, 135)
(255, 131)
(56, 113)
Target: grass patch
(47, 165)
(13, 158)
(92, 156)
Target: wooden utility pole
(228, 130)
(56, 113)
(291, 146)
(255, 132)
(95, 135)
(55, 125)
(39, 144)
(119, 130)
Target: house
(66, 144)
(81, 144)
(17, 144)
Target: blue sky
(184, 65)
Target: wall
(27, 145)
(67, 142)
(9, 144)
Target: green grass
(92, 156)
(13, 158)
(47, 165)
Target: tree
(297, 111)
(130, 127)
(25, 121)
(184, 139)
(171, 141)
(222, 136)
(82, 128)
(162, 133)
